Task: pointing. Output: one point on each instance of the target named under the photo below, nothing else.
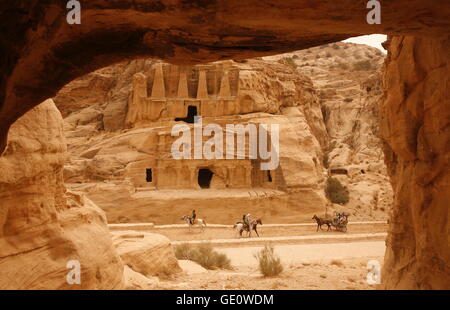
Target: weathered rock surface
(137, 281)
(191, 267)
(43, 227)
(347, 77)
(415, 120)
(146, 253)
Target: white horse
(239, 228)
(200, 222)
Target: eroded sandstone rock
(146, 253)
(415, 120)
(43, 227)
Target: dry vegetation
(204, 255)
(269, 263)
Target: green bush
(336, 192)
(204, 255)
(269, 263)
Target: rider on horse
(192, 219)
(247, 220)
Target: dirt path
(212, 232)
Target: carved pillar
(202, 90)
(225, 91)
(182, 86)
(158, 90)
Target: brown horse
(321, 222)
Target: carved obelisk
(158, 90)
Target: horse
(200, 222)
(321, 222)
(240, 227)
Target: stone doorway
(149, 175)
(269, 176)
(191, 113)
(204, 177)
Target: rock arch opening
(414, 124)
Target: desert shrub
(362, 65)
(269, 263)
(348, 99)
(336, 192)
(204, 255)
(328, 55)
(295, 57)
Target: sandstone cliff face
(110, 163)
(42, 226)
(347, 77)
(415, 119)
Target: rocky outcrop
(106, 92)
(347, 78)
(415, 120)
(43, 227)
(146, 253)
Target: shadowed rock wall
(415, 124)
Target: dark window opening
(204, 178)
(192, 111)
(149, 176)
(339, 171)
(269, 176)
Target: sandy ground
(309, 253)
(339, 274)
